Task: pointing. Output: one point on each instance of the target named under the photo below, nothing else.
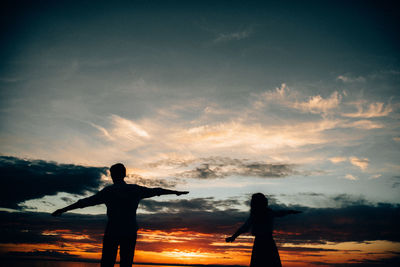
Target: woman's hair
(258, 205)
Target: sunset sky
(298, 100)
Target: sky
(297, 100)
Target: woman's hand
(58, 212)
(230, 239)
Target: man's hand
(178, 193)
(230, 239)
(58, 212)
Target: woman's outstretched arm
(281, 213)
(244, 228)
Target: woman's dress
(265, 252)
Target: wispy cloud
(363, 124)
(350, 79)
(232, 36)
(152, 182)
(318, 104)
(351, 177)
(369, 110)
(293, 99)
(338, 159)
(361, 163)
(376, 176)
(124, 133)
(127, 128)
(252, 130)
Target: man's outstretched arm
(67, 208)
(151, 192)
(82, 203)
(163, 191)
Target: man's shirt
(122, 201)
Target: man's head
(118, 172)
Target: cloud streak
(370, 110)
(317, 104)
(221, 167)
(233, 36)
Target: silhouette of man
(122, 200)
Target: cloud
(371, 110)
(376, 176)
(269, 124)
(184, 205)
(289, 98)
(233, 36)
(200, 225)
(152, 182)
(396, 184)
(363, 124)
(37, 227)
(351, 177)
(23, 179)
(394, 260)
(317, 104)
(361, 163)
(338, 159)
(221, 167)
(358, 221)
(349, 79)
(124, 132)
(48, 254)
(175, 162)
(345, 200)
(255, 137)
(127, 128)
(391, 260)
(282, 95)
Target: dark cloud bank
(23, 179)
(357, 223)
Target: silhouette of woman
(260, 221)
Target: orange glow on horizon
(189, 247)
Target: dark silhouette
(122, 200)
(260, 221)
